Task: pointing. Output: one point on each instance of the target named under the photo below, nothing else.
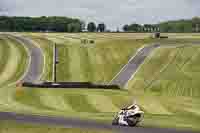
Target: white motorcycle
(129, 116)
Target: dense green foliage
(65, 24)
(190, 25)
(91, 27)
(140, 28)
(178, 26)
(40, 24)
(101, 27)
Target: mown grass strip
(23, 62)
(63, 72)
(4, 54)
(102, 103)
(30, 97)
(52, 100)
(86, 64)
(75, 65)
(10, 73)
(80, 103)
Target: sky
(114, 13)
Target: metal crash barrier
(78, 85)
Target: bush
(92, 41)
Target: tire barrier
(74, 85)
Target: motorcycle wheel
(132, 121)
(115, 121)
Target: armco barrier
(86, 85)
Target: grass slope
(97, 62)
(13, 61)
(157, 80)
(167, 84)
(3, 54)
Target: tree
(135, 27)
(83, 26)
(74, 27)
(117, 30)
(91, 27)
(196, 24)
(101, 27)
(132, 27)
(126, 28)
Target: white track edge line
(133, 75)
(134, 55)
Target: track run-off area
(35, 70)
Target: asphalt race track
(36, 59)
(76, 123)
(34, 72)
(130, 69)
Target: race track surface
(36, 63)
(34, 72)
(77, 123)
(130, 69)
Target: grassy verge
(4, 52)
(167, 86)
(23, 62)
(15, 62)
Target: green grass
(13, 62)
(22, 64)
(166, 85)
(13, 127)
(30, 98)
(79, 103)
(3, 54)
(72, 103)
(173, 71)
(97, 63)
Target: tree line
(140, 28)
(177, 26)
(40, 24)
(47, 24)
(183, 25)
(92, 27)
(65, 24)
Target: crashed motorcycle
(129, 116)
